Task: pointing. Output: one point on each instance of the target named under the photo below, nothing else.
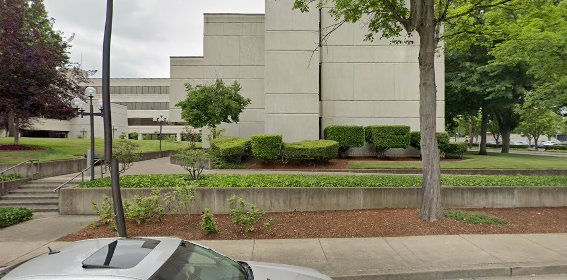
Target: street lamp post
(77, 103)
(161, 120)
(114, 129)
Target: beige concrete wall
(75, 201)
(292, 72)
(233, 51)
(372, 82)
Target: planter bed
(344, 224)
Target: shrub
(105, 211)
(133, 135)
(244, 214)
(474, 218)
(180, 198)
(552, 148)
(442, 140)
(11, 216)
(311, 150)
(511, 146)
(193, 161)
(230, 148)
(455, 150)
(125, 152)
(144, 209)
(208, 222)
(347, 136)
(389, 137)
(267, 147)
(10, 177)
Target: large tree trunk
(505, 140)
(431, 208)
(470, 132)
(16, 131)
(483, 130)
(14, 127)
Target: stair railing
(77, 175)
(34, 162)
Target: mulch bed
(344, 224)
(21, 148)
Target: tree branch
(475, 8)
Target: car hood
(272, 271)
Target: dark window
(122, 253)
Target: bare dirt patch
(344, 224)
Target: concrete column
(291, 71)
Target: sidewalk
(417, 257)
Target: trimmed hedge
(322, 181)
(389, 137)
(311, 150)
(231, 149)
(455, 150)
(347, 136)
(556, 148)
(267, 147)
(10, 177)
(442, 140)
(11, 216)
(511, 146)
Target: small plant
(125, 152)
(133, 135)
(105, 211)
(144, 209)
(208, 222)
(180, 198)
(269, 225)
(192, 136)
(215, 133)
(244, 214)
(474, 218)
(11, 216)
(193, 161)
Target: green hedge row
(442, 140)
(556, 148)
(231, 149)
(311, 150)
(389, 137)
(307, 181)
(347, 136)
(455, 150)
(511, 146)
(11, 216)
(267, 147)
(10, 177)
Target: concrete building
(299, 79)
(298, 88)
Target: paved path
(27, 239)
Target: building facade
(299, 78)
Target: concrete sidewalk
(28, 239)
(417, 257)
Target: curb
(460, 273)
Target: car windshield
(192, 262)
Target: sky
(145, 32)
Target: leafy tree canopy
(211, 105)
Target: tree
(126, 153)
(536, 119)
(36, 79)
(494, 130)
(426, 17)
(211, 105)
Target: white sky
(145, 32)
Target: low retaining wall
(7, 186)
(79, 201)
(62, 167)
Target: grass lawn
(475, 161)
(66, 148)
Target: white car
(154, 258)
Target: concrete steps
(37, 195)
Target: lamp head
(90, 91)
(77, 103)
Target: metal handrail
(77, 175)
(19, 164)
